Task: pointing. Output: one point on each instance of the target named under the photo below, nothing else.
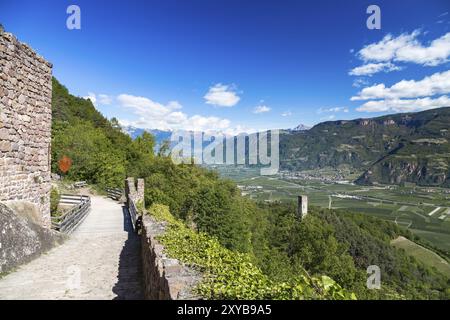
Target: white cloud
(328, 118)
(101, 99)
(386, 49)
(146, 107)
(407, 48)
(437, 53)
(201, 123)
(360, 82)
(261, 109)
(104, 99)
(438, 83)
(91, 96)
(286, 114)
(155, 115)
(174, 105)
(334, 110)
(380, 56)
(404, 105)
(371, 68)
(234, 131)
(222, 95)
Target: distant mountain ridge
(301, 127)
(160, 135)
(392, 149)
(134, 132)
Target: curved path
(100, 260)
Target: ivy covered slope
(233, 275)
(337, 245)
(410, 147)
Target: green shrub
(54, 201)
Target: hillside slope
(410, 147)
(100, 152)
(276, 249)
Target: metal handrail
(114, 193)
(71, 219)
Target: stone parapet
(164, 278)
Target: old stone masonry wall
(25, 126)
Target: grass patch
(422, 254)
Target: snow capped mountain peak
(301, 127)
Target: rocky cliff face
(397, 170)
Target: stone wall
(163, 278)
(133, 192)
(25, 125)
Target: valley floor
(425, 211)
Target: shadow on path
(129, 282)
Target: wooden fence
(114, 193)
(71, 219)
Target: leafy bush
(54, 201)
(200, 198)
(94, 157)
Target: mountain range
(391, 149)
(301, 127)
(160, 135)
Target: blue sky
(242, 65)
